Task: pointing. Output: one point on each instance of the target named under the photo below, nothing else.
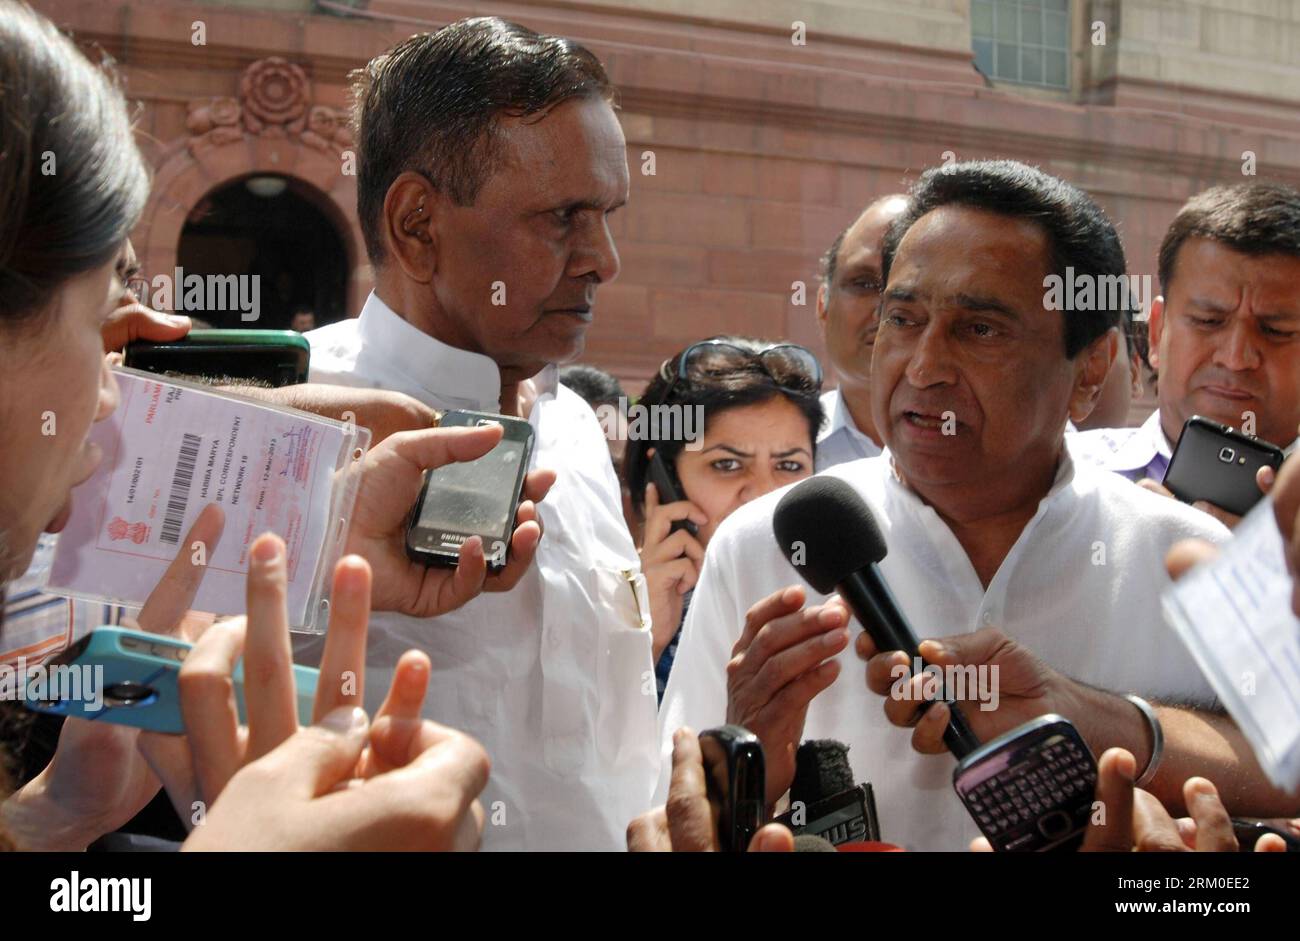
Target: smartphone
(1216, 463)
(129, 677)
(736, 779)
(669, 490)
(277, 357)
(1248, 833)
(1031, 789)
(472, 498)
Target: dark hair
(1079, 234)
(1135, 337)
(747, 384)
(1251, 218)
(431, 103)
(72, 181)
(596, 386)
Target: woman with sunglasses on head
(758, 408)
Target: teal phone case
(129, 677)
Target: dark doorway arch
(271, 226)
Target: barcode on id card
(179, 498)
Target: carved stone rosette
(275, 100)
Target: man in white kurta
(1080, 588)
(548, 676)
(489, 160)
(988, 521)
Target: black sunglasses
(789, 365)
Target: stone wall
(764, 150)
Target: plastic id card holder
(171, 448)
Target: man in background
(1224, 335)
(847, 314)
(303, 319)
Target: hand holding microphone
(1027, 687)
(1028, 789)
(828, 533)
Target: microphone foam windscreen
(821, 770)
(827, 531)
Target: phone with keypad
(1031, 789)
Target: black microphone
(828, 533)
(824, 801)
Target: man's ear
(822, 292)
(1155, 327)
(410, 208)
(1092, 365)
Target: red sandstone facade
(763, 150)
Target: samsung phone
(472, 498)
(1216, 463)
(276, 357)
(669, 490)
(129, 677)
(736, 778)
(1031, 789)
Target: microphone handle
(868, 595)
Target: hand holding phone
(737, 784)
(671, 562)
(97, 768)
(129, 677)
(691, 818)
(276, 357)
(1032, 788)
(472, 498)
(1218, 464)
(670, 491)
(392, 480)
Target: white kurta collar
(444, 372)
(1064, 475)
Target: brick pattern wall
(763, 151)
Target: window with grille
(1024, 41)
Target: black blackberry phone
(472, 498)
(1216, 463)
(1031, 789)
(1248, 833)
(670, 491)
(737, 784)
